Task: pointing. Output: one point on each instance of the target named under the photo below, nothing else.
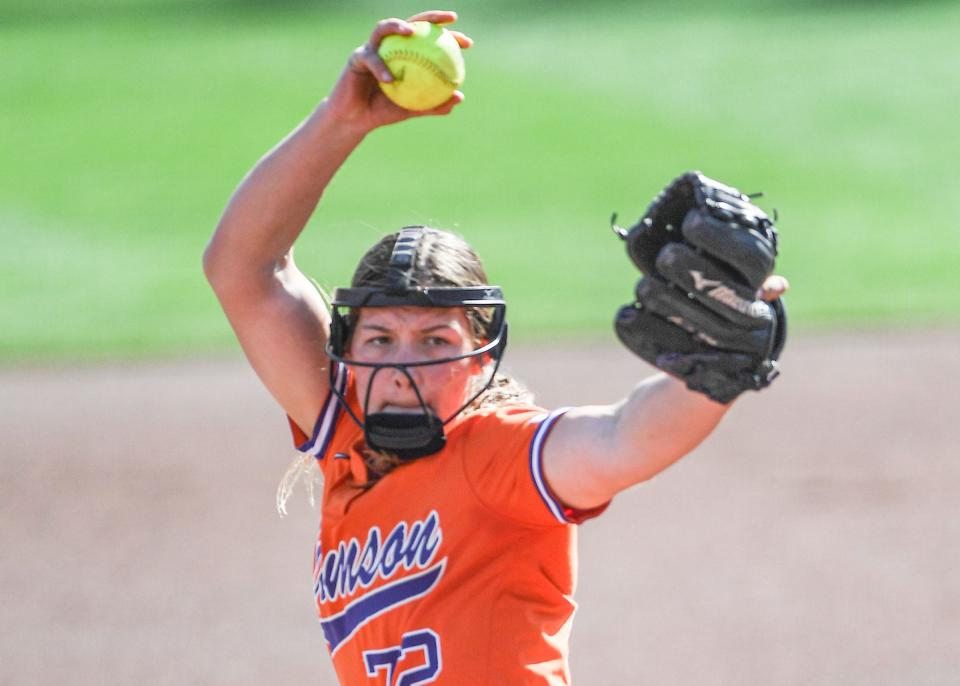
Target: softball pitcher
(446, 552)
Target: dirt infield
(814, 539)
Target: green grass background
(126, 124)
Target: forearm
(597, 451)
(660, 422)
(273, 203)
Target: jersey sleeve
(317, 443)
(505, 467)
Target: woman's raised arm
(275, 311)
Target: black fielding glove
(705, 251)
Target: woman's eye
(436, 341)
(379, 340)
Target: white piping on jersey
(323, 431)
(536, 464)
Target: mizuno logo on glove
(700, 282)
(726, 295)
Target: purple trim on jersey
(536, 464)
(327, 420)
(340, 627)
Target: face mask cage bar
(353, 298)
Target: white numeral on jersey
(423, 642)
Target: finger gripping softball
(705, 250)
(427, 66)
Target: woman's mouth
(401, 409)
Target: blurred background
(135, 549)
(128, 123)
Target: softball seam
(416, 58)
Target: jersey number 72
(387, 660)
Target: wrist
(330, 127)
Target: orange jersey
(456, 568)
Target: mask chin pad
(408, 436)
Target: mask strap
(493, 374)
(403, 258)
(406, 372)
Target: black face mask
(409, 436)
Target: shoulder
(501, 452)
(504, 429)
(504, 418)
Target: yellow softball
(427, 66)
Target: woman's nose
(403, 377)
(399, 378)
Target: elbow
(224, 264)
(208, 261)
(236, 278)
(214, 268)
(223, 271)
(212, 264)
